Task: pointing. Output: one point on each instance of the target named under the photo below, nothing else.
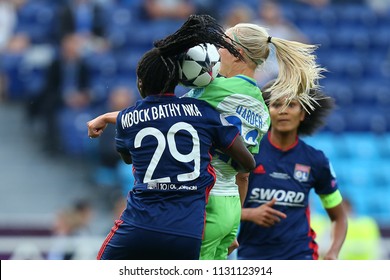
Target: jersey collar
(159, 96)
(246, 78)
(279, 148)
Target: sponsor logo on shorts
(169, 187)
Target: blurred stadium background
(39, 185)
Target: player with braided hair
(168, 141)
(240, 101)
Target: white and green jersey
(240, 101)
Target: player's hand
(233, 246)
(266, 216)
(96, 127)
(330, 256)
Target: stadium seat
(366, 118)
(377, 205)
(373, 92)
(330, 143)
(155, 30)
(37, 19)
(383, 143)
(359, 199)
(344, 64)
(73, 130)
(381, 173)
(127, 61)
(380, 37)
(336, 122)
(102, 65)
(319, 35)
(355, 14)
(100, 88)
(360, 172)
(362, 145)
(348, 38)
(123, 21)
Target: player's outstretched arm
(244, 161)
(98, 124)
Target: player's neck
(283, 140)
(242, 69)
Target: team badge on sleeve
(301, 172)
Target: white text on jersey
(283, 197)
(252, 118)
(159, 112)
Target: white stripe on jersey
(225, 184)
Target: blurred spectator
(353, 2)
(119, 206)
(363, 237)
(18, 44)
(271, 17)
(84, 210)
(168, 9)
(85, 18)
(240, 13)
(112, 172)
(26, 250)
(325, 3)
(379, 6)
(317, 3)
(13, 44)
(7, 22)
(16, 47)
(212, 8)
(67, 86)
(70, 224)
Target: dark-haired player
(237, 97)
(168, 141)
(276, 215)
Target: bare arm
(98, 124)
(339, 227)
(243, 159)
(233, 246)
(242, 183)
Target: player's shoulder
(131, 108)
(224, 82)
(199, 103)
(312, 151)
(191, 100)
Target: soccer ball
(199, 65)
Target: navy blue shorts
(127, 242)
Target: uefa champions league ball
(199, 65)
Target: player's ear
(140, 89)
(242, 54)
(303, 115)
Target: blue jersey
(288, 176)
(169, 140)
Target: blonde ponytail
(298, 70)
